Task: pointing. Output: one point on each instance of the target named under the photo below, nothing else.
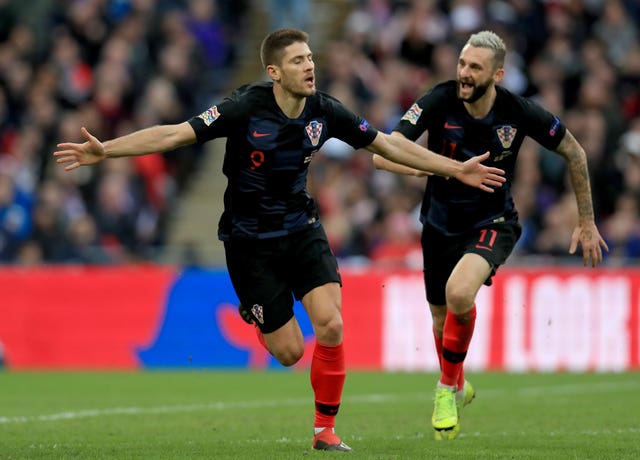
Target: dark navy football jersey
(267, 157)
(449, 205)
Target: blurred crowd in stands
(119, 65)
(112, 66)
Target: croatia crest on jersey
(506, 134)
(258, 313)
(412, 114)
(314, 131)
(210, 115)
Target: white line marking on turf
(351, 399)
(217, 406)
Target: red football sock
(455, 343)
(438, 342)
(327, 380)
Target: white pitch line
(350, 399)
(216, 406)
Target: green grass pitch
(269, 415)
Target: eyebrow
(301, 56)
(470, 63)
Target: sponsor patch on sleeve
(412, 114)
(210, 115)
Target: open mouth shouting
(310, 81)
(465, 89)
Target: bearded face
(475, 73)
(470, 91)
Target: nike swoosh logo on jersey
(257, 134)
(448, 126)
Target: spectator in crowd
(289, 13)
(621, 229)
(15, 217)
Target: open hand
(76, 155)
(483, 177)
(592, 243)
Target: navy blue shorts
(441, 253)
(268, 274)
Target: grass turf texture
(269, 415)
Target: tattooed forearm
(576, 159)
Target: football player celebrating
(467, 235)
(276, 250)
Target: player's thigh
(485, 250)
(494, 243)
(255, 269)
(314, 264)
(469, 274)
(286, 342)
(440, 255)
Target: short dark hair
(272, 48)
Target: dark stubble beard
(478, 92)
(303, 92)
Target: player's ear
(274, 72)
(497, 77)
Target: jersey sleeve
(421, 115)
(350, 128)
(543, 126)
(216, 121)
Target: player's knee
(329, 331)
(289, 356)
(459, 298)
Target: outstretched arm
(149, 140)
(381, 162)
(586, 233)
(400, 155)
